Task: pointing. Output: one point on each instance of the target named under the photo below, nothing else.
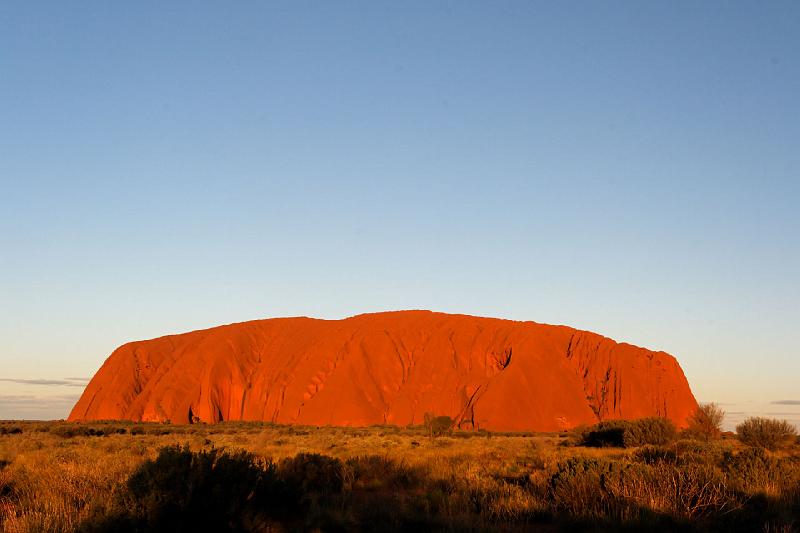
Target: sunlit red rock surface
(388, 368)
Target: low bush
(438, 425)
(587, 490)
(766, 432)
(691, 493)
(658, 495)
(680, 453)
(312, 474)
(651, 455)
(211, 490)
(754, 470)
(768, 488)
(629, 433)
(373, 472)
(575, 488)
(70, 431)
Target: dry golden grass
(52, 480)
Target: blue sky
(625, 168)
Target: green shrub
(629, 433)
(766, 432)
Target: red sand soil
(388, 368)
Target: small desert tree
(428, 420)
(706, 422)
(766, 432)
(438, 425)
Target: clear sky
(631, 168)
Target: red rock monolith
(388, 368)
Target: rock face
(388, 368)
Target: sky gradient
(629, 169)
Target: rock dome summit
(388, 368)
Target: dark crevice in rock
(467, 418)
(504, 359)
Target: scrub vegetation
(103, 477)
